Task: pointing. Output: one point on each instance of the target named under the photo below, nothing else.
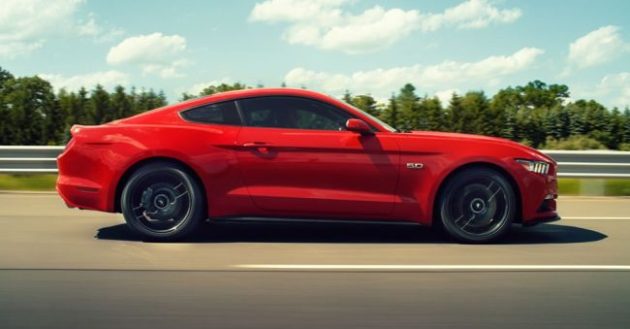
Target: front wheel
(477, 206)
(161, 201)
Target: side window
(292, 113)
(219, 113)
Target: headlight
(539, 167)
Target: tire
(161, 201)
(477, 205)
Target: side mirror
(358, 126)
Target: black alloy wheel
(162, 201)
(477, 205)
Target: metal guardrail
(577, 164)
(29, 159)
(592, 163)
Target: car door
(217, 126)
(297, 159)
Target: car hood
(526, 150)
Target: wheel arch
(120, 185)
(478, 164)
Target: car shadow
(227, 232)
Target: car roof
(258, 92)
(245, 93)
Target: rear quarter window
(224, 113)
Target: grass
(594, 187)
(566, 186)
(617, 187)
(43, 182)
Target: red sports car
(290, 153)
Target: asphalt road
(65, 268)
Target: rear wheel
(477, 206)
(161, 201)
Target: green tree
(100, 106)
(186, 96)
(5, 76)
(508, 98)
(491, 118)
(213, 89)
(210, 90)
(531, 126)
(626, 126)
(456, 115)
(121, 103)
(347, 97)
(536, 113)
(366, 103)
(475, 105)
(510, 129)
(588, 118)
(614, 129)
(410, 117)
(538, 94)
(432, 110)
(55, 120)
(84, 113)
(6, 125)
(390, 114)
(148, 100)
(31, 102)
(69, 106)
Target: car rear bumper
(83, 179)
(80, 193)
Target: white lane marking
(428, 268)
(594, 217)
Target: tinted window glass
(292, 112)
(220, 113)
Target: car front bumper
(542, 220)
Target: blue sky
(364, 46)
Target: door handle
(258, 146)
(255, 144)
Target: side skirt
(309, 220)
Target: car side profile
(297, 154)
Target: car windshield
(379, 121)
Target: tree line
(537, 114)
(31, 113)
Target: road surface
(65, 268)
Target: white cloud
(618, 86)
(445, 95)
(615, 88)
(374, 29)
(434, 78)
(12, 49)
(326, 25)
(155, 53)
(89, 27)
(597, 47)
(285, 10)
(472, 14)
(107, 79)
(26, 25)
